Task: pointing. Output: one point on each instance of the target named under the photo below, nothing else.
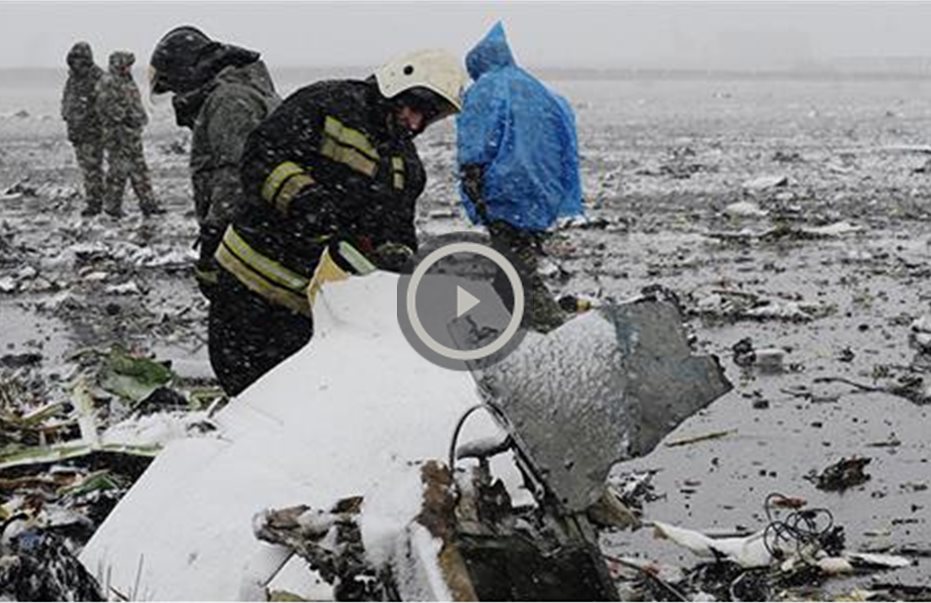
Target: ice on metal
(604, 387)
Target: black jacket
(325, 165)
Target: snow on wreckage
(353, 428)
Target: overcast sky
(726, 35)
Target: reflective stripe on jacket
(261, 274)
(327, 164)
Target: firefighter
(334, 167)
(220, 92)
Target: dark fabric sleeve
(292, 134)
(229, 121)
(66, 98)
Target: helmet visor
(431, 105)
(157, 84)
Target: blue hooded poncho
(523, 135)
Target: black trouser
(542, 313)
(249, 336)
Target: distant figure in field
(519, 163)
(123, 119)
(79, 110)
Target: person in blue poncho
(519, 164)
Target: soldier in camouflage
(221, 92)
(79, 110)
(123, 119)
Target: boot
(151, 209)
(113, 205)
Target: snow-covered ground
(662, 162)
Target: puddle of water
(24, 331)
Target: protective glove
(338, 261)
(206, 270)
(207, 277)
(473, 184)
(349, 258)
(393, 257)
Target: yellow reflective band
(359, 262)
(347, 136)
(397, 165)
(246, 275)
(270, 269)
(274, 181)
(349, 156)
(208, 276)
(327, 271)
(290, 189)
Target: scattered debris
(766, 359)
(787, 157)
(844, 474)
(909, 385)
(744, 354)
(585, 222)
(37, 565)
(766, 182)
(127, 288)
(701, 438)
(845, 238)
(745, 209)
(802, 548)
(132, 377)
(734, 305)
(749, 551)
(20, 360)
(846, 355)
(786, 232)
(919, 336)
(178, 146)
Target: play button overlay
(465, 301)
(462, 304)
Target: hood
(121, 60)
(244, 67)
(491, 53)
(220, 57)
(183, 78)
(80, 56)
(255, 75)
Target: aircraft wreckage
(331, 476)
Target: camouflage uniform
(79, 110)
(230, 106)
(221, 92)
(123, 117)
(542, 313)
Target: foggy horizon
(713, 36)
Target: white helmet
(435, 70)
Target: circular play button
(465, 301)
(463, 304)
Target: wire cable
(459, 424)
(799, 528)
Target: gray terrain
(790, 212)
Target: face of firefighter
(412, 120)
